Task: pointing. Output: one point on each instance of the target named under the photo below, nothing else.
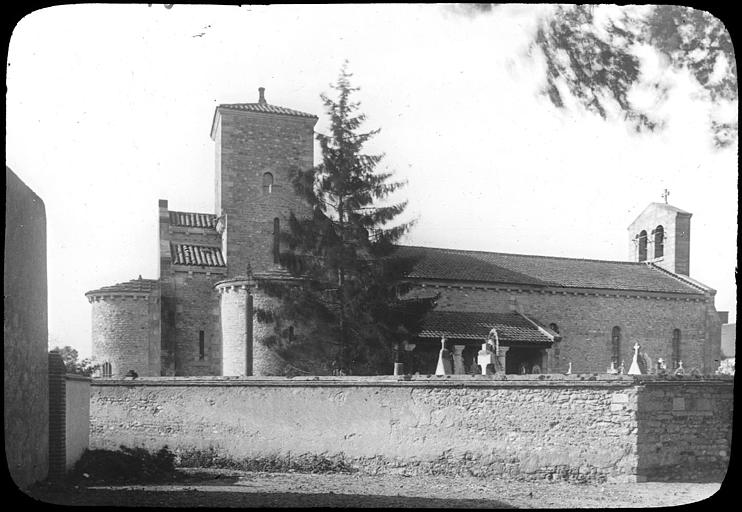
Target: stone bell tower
(257, 146)
(661, 235)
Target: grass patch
(306, 463)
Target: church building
(202, 315)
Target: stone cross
(665, 194)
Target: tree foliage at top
(70, 357)
(597, 62)
(350, 307)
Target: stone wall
(250, 144)
(26, 397)
(586, 319)
(684, 429)
(126, 332)
(578, 428)
(197, 309)
(77, 417)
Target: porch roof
(512, 328)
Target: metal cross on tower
(665, 194)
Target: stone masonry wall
(25, 336)
(684, 429)
(531, 429)
(197, 309)
(249, 145)
(77, 418)
(586, 321)
(236, 358)
(576, 428)
(126, 333)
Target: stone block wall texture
(560, 428)
(586, 321)
(25, 336)
(77, 418)
(236, 335)
(250, 144)
(126, 333)
(265, 361)
(57, 417)
(197, 309)
(685, 431)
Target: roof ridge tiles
(266, 108)
(571, 258)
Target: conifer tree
(350, 306)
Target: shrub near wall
(557, 428)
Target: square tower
(257, 147)
(661, 235)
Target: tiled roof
(276, 273)
(134, 286)
(196, 220)
(512, 328)
(265, 108)
(197, 255)
(546, 271)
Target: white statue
(485, 357)
(634, 369)
(444, 360)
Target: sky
(109, 108)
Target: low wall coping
(75, 376)
(449, 381)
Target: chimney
(261, 98)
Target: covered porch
(524, 344)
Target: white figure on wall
(634, 369)
(444, 360)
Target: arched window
(643, 246)
(616, 345)
(659, 241)
(106, 371)
(267, 183)
(675, 348)
(276, 240)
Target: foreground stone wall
(559, 427)
(77, 418)
(684, 429)
(25, 337)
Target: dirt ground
(222, 488)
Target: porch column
(545, 360)
(458, 359)
(501, 358)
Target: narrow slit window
(201, 346)
(616, 345)
(276, 240)
(676, 348)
